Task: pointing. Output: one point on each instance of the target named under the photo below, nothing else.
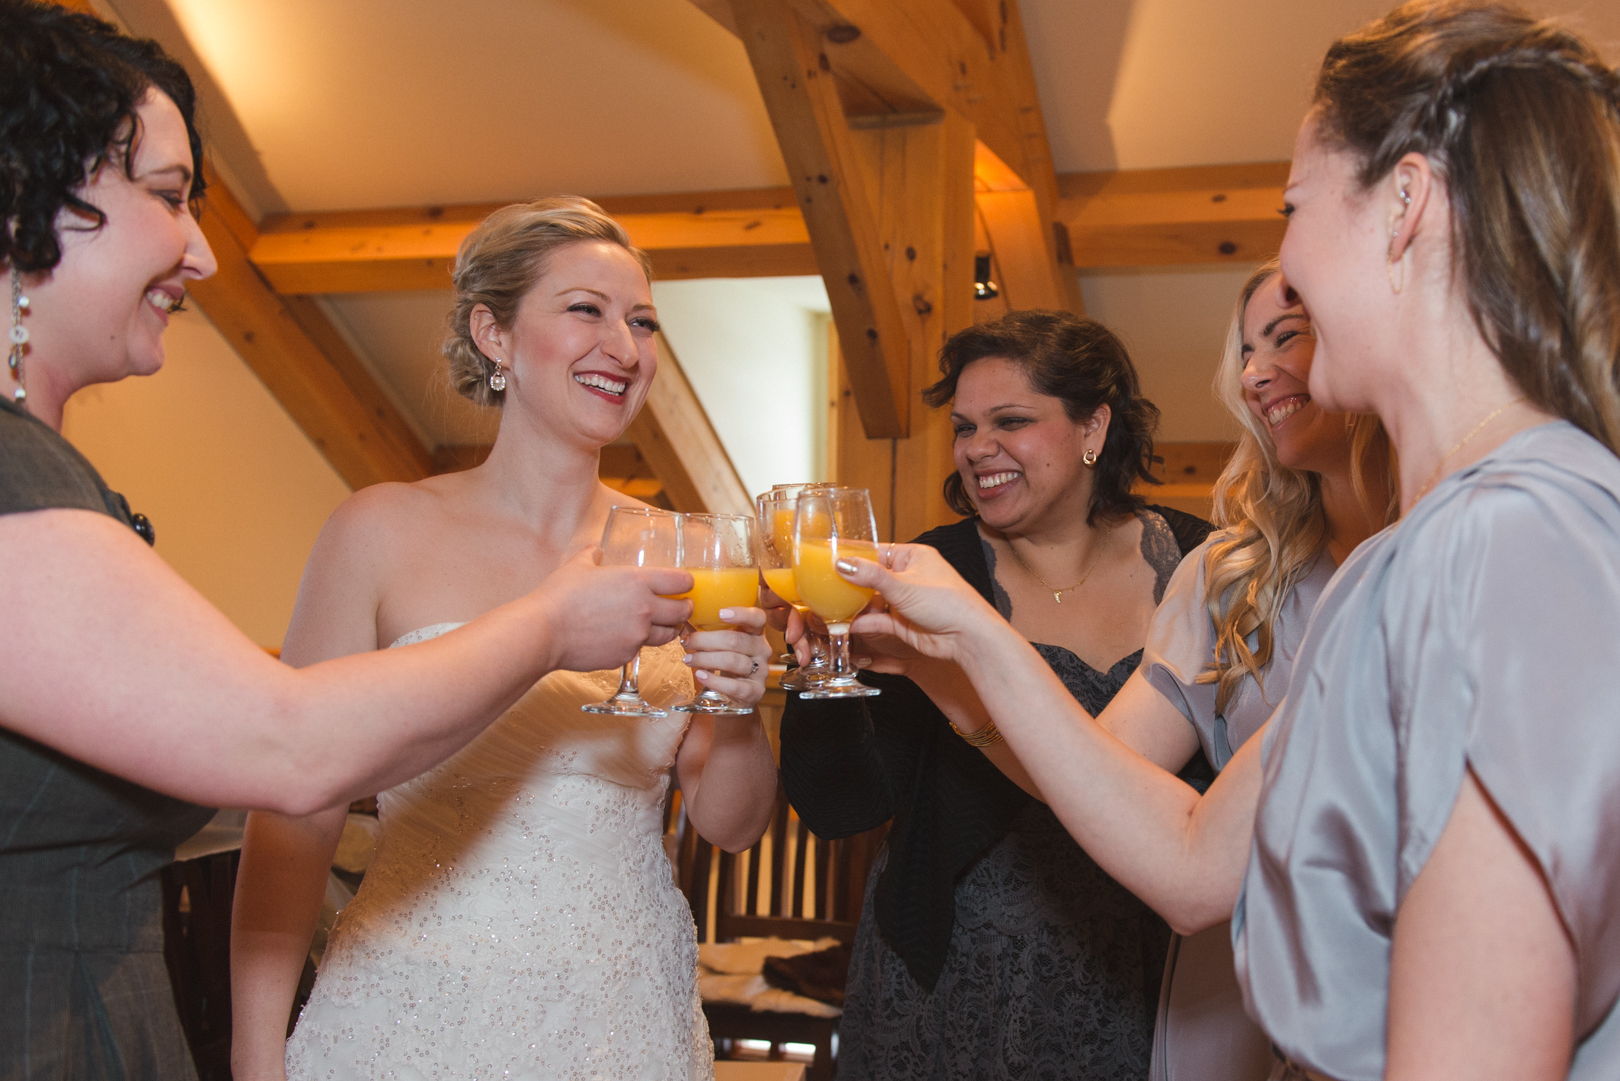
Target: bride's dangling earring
(497, 378)
(19, 336)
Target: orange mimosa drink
(780, 580)
(822, 589)
(782, 532)
(714, 588)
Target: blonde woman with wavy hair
(1278, 508)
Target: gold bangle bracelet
(988, 736)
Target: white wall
(755, 351)
(1174, 324)
(235, 491)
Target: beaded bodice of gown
(520, 919)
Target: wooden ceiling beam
(301, 358)
(833, 186)
(735, 234)
(1140, 217)
(1167, 217)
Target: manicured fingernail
(845, 567)
(701, 674)
(862, 662)
(686, 659)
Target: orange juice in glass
(776, 509)
(718, 550)
(714, 588)
(828, 525)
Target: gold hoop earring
(1089, 458)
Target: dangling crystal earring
(19, 336)
(497, 378)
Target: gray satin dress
(1483, 632)
(1202, 1032)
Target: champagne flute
(637, 537)
(776, 566)
(780, 529)
(830, 524)
(718, 550)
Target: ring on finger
(755, 668)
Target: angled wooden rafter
(674, 436)
(302, 359)
(831, 183)
(970, 57)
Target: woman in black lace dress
(990, 945)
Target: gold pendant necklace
(1057, 594)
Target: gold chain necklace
(1435, 476)
(1057, 594)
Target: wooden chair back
(791, 884)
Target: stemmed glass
(776, 546)
(830, 524)
(637, 537)
(719, 552)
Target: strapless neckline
(422, 634)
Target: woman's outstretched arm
(112, 658)
(1181, 853)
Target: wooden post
(922, 177)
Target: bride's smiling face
(581, 348)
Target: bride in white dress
(520, 919)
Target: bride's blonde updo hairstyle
(1275, 524)
(1522, 120)
(499, 263)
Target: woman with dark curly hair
(125, 699)
(990, 945)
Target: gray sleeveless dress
(1202, 1033)
(84, 991)
(1483, 632)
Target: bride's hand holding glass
(735, 661)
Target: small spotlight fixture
(983, 287)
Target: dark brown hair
(68, 96)
(1522, 119)
(1084, 364)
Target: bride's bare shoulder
(389, 517)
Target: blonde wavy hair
(499, 263)
(1273, 516)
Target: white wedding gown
(520, 920)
